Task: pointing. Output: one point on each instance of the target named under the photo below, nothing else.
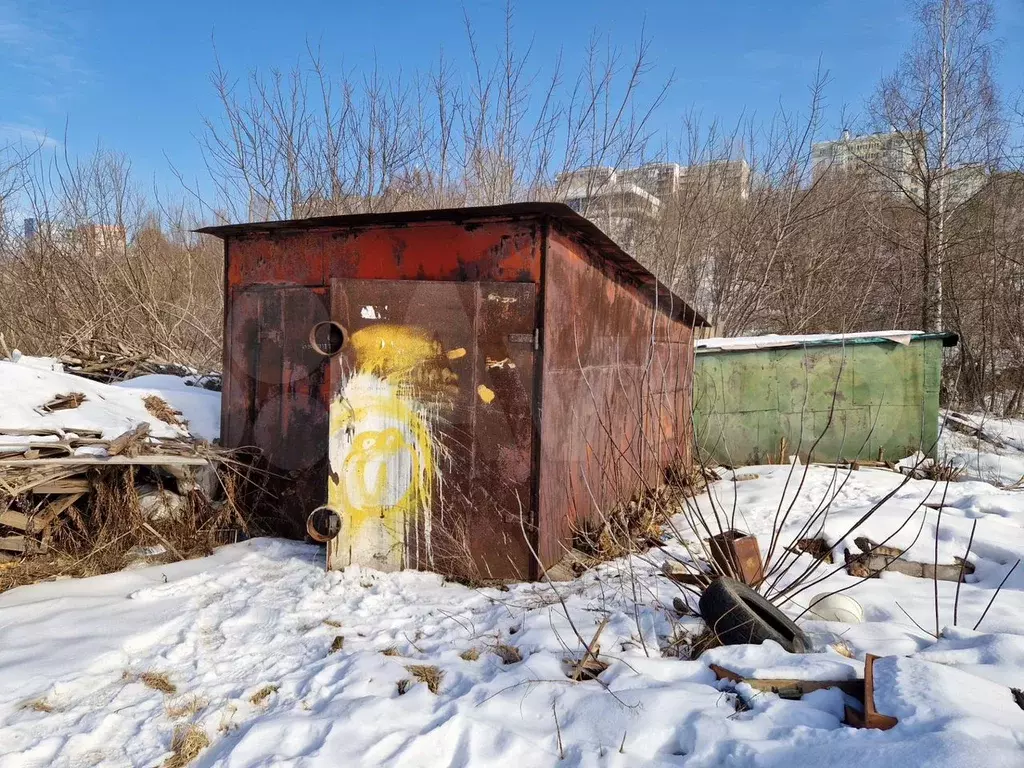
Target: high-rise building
(891, 158)
(723, 179)
(963, 183)
(610, 199)
(95, 239)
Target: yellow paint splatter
(486, 393)
(455, 354)
(392, 350)
(382, 445)
(381, 452)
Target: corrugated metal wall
(860, 400)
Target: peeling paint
(501, 299)
(369, 312)
(455, 354)
(503, 363)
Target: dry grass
(687, 645)
(509, 654)
(943, 472)
(338, 644)
(390, 651)
(634, 526)
(38, 705)
(187, 707)
(263, 694)
(97, 534)
(158, 681)
(403, 686)
(843, 648)
(332, 623)
(428, 674)
(162, 410)
(691, 478)
(186, 744)
(470, 654)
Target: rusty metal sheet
(274, 396)
(495, 251)
(417, 425)
(614, 412)
(501, 517)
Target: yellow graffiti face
(380, 470)
(380, 451)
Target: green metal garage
(825, 397)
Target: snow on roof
(775, 340)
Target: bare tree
(941, 101)
(313, 142)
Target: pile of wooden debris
(40, 481)
(78, 499)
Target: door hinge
(536, 339)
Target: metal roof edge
(948, 339)
(608, 248)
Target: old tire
(737, 614)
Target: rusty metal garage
(462, 387)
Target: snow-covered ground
(1001, 464)
(265, 613)
(280, 662)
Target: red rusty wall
(615, 393)
(277, 288)
(497, 251)
(274, 395)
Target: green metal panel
(750, 385)
(849, 401)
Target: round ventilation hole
(327, 338)
(323, 524)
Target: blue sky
(134, 76)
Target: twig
(915, 622)
(558, 733)
(591, 649)
(963, 564)
(994, 596)
(168, 544)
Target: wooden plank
(53, 510)
(14, 519)
(148, 460)
(38, 432)
(125, 442)
(683, 575)
(853, 688)
(64, 485)
(872, 717)
(22, 544)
